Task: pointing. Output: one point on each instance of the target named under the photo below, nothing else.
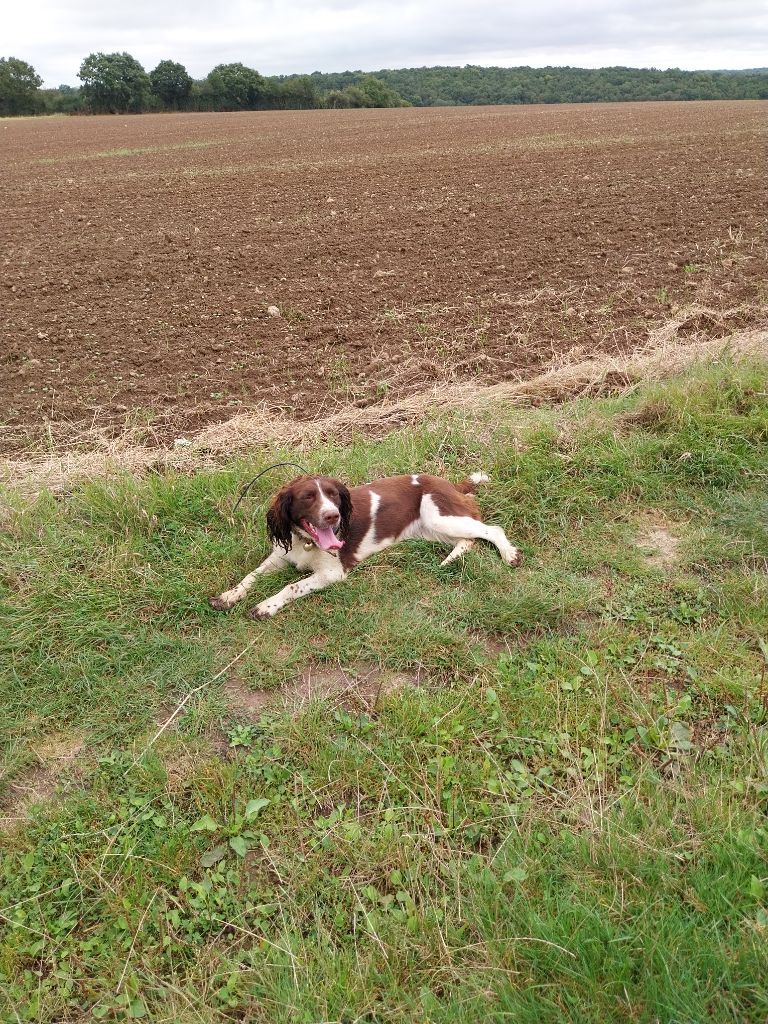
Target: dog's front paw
(261, 611)
(220, 603)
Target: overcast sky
(338, 35)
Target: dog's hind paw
(513, 557)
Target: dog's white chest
(311, 559)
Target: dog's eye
(308, 495)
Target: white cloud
(337, 35)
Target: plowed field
(141, 255)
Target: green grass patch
(564, 821)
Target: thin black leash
(258, 476)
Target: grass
(565, 820)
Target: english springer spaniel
(319, 525)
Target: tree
(351, 96)
(379, 93)
(300, 92)
(64, 100)
(171, 83)
(236, 87)
(19, 83)
(114, 83)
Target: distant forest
(450, 86)
(117, 83)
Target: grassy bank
(551, 806)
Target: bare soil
(659, 540)
(357, 687)
(140, 255)
(56, 757)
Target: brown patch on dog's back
(399, 505)
(450, 501)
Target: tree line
(460, 86)
(117, 83)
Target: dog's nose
(331, 518)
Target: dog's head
(317, 507)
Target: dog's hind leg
(452, 529)
(272, 563)
(461, 548)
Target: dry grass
(667, 352)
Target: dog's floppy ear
(345, 509)
(279, 518)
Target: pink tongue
(328, 541)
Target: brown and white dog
(317, 524)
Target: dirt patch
(403, 250)
(358, 687)
(56, 755)
(659, 541)
(244, 700)
(495, 646)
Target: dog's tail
(473, 481)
